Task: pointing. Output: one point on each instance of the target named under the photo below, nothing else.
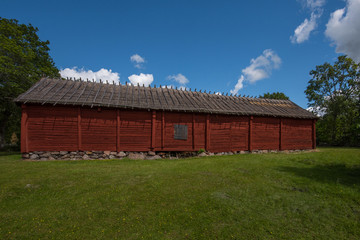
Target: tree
(275, 95)
(24, 58)
(335, 91)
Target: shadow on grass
(9, 153)
(332, 174)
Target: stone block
(135, 156)
(121, 154)
(151, 153)
(34, 156)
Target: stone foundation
(101, 155)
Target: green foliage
(251, 196)
(335, 91)
(24, 59)
(201, 150)
(275, 95)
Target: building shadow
(4, 154)
(331, 174)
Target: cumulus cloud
(137, 60)
(259, 68)
(303, 31)
(179, 78)
(343, 28)
(104, 74)
(142, 79)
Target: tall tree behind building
(24, 58)
(334, 91)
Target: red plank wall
(265, 133)
(68, 128)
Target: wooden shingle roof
(94, 94)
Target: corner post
(314, 134)
(24, 129)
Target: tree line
(333, 91)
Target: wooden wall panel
(172, 144)
(265, 133)
(98, 129)
(199, 133)
(220, 136)
(51, 128)
(135, 130)
(158, 131)
(228, 133)
(296, 134)
(239, 133)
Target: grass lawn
(268, 196)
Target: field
(256, 196)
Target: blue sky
(207, 45)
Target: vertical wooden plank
(24, 130)
(314, 134)
(162, 130)
(79, 129)
(280, 133)
(250, 132)
(207, 132)
(153, 128)
(118, 130)
(193, 132)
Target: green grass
(269, 196)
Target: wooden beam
(193, 132)
(153, 129)
(79, 129)
(118, 130)
(250, 132)
(24, 130)
(162, 130)
(280, 133)
(207, 132)
(314, 134)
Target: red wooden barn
(66, 115)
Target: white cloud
(313, 4)
(141, 79)
(262, 66)
(103, 74)
(137, 60)
(343, 28)
(239, 85)
(259, 68)
(303, 31)
(317, 110)
(179, 78)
